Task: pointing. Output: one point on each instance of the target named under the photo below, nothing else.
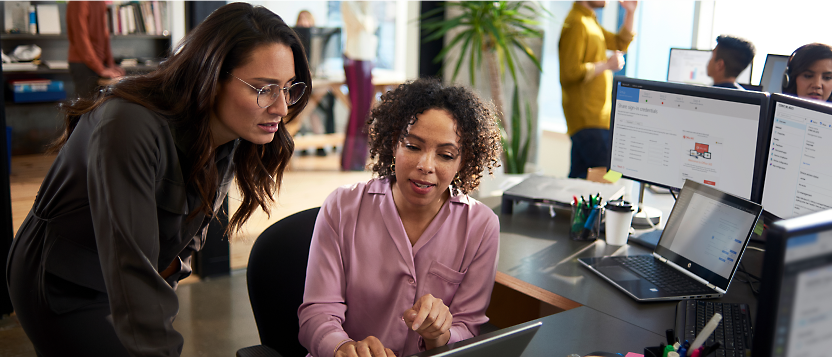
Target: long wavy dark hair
(184, 89)
(475, 120)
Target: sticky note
(612, 176)
(631, 354)
(758, 229)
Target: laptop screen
(508, 342)
(795, 316)
(707, 232)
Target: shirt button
(410, 281)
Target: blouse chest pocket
(172, 207)
(442, 282)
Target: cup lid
(619, 206)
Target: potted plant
(498, 31)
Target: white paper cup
(617, 224)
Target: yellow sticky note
(612, 176)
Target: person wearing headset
(809, 72)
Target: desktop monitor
(772, 79)
(798, 170)
(691, 67)
(793, 315)
(663, 133)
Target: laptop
(793, 317)
(508, 342)
(697, 255)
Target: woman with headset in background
(809, 72)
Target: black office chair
(276, 277)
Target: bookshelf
(34, 125)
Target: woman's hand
(368, 347)
(431, 319)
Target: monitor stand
(647, 218)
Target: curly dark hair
(475, 119)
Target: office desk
(538, 258)
(583, 330)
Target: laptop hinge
(659, 257)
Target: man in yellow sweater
(586, 78)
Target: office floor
(215, 315)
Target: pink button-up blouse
(363, 272)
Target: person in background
(809, 72)
(728, 59)
(586, 79)
(305, 19)
(406, 262)
(143, 167)
(360, 51)
(90, 57)
(303, 24)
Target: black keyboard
(660, 274)
(733, 333)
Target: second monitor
(691, 66)
(663, 133)
(798, 171)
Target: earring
(457, 181)
(393, 166)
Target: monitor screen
(663, 133)
(691, 67)
(799, 167)
(793, 318)
(772, 78)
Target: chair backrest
(276, 279)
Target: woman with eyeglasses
(406, 262)
(143, 168)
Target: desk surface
(537, 255)
(583, 330)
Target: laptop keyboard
(668, 279)
(733, 333)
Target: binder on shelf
(16, 16)
(49, 19)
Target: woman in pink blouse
(406, 262)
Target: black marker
(670, 335)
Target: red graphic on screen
(701, 148)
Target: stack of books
(37, 90)
(143, 17)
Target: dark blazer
(112, 213)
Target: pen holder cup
(586, 222)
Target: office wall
(776, 29)
(660, 26)
(288, 10)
